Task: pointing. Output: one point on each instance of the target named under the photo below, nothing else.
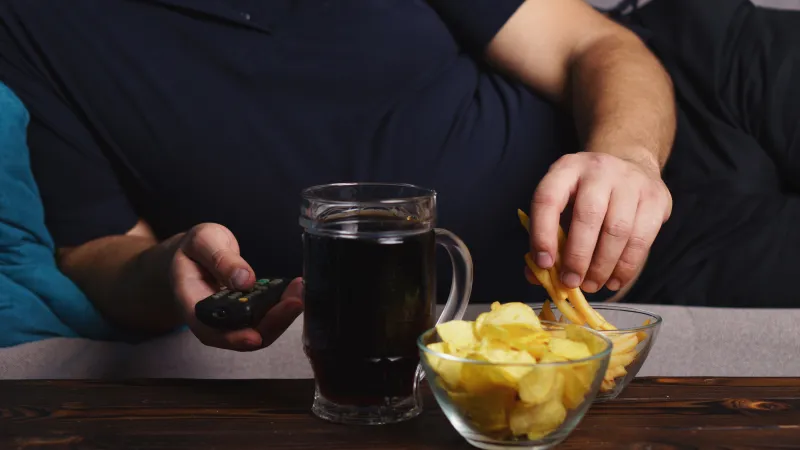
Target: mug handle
(461, 287)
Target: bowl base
(519, 445)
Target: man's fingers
(615, 232)
(549, 201)
(215, 248)
(279, 318)
(192, 283)
(649, 218)
(244, 340)
(591, 204)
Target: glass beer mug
(370, 285)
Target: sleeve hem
(476, 22)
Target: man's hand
(207, 258)
(619, 207)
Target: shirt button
(245, 16)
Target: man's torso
(216, 111)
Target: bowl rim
(605, 353)
(655, 323)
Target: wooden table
(653, 413)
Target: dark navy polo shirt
(189, 111)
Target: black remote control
(234, 310)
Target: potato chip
(551, 358)
(537, 419)
(540, 385)
(479, 378)
(569, 349)
(449, 371)
(515, 315)
(582, 334)
(534, 347)
(458, 334)
(488, 410)
(479, 323)
(511, 373)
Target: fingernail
(544, 260)
(589, 286)
(613, 284)
(571, 280)
(239, 278)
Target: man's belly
(484, 159)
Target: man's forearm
(127, 279)
(623, 101)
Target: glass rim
(656, 322)
(310, 193)
(606, 352)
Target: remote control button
(244, 300)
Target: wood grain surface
(653, 413)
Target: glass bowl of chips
(636, 332)
(509, 380)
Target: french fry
(524, 220)
(547, 312)
(585, 313)
(624, 343)
(622, 359)
(607, 385)
(615, 372)
(593, 317)
(558, 296)
(642, 335)
(575, 309)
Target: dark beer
(367, 300)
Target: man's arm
(151, 287)
(620, 95)
(623, 105)
(127, 279)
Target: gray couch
(692, 342)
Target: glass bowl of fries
(510, 385)
(636, 332)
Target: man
(155, 123)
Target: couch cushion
(36, 300)
(692, 342)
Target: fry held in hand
(573, 306)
